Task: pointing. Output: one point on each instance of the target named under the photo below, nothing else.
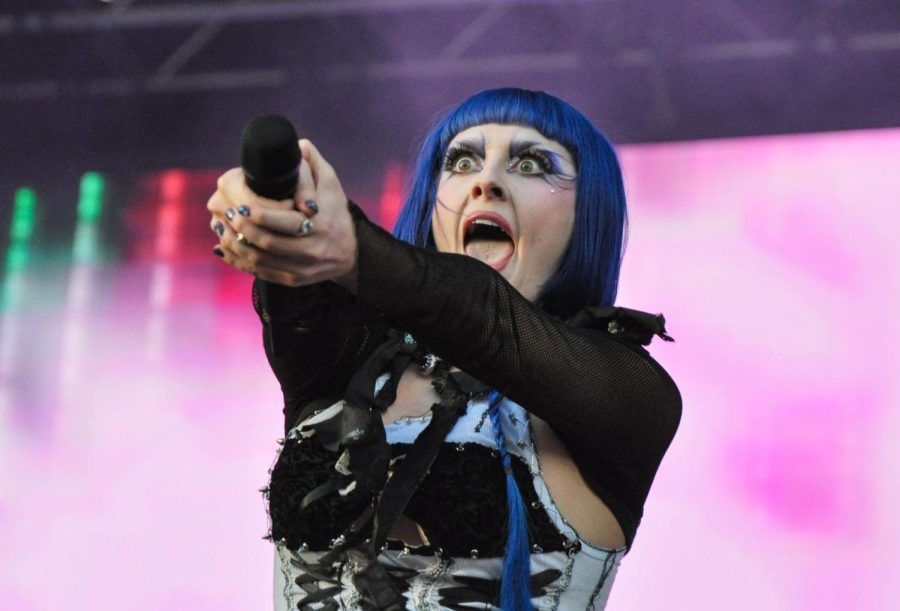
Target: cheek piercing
(552, 190)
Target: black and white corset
(460, 508)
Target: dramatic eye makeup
(529, 158)
(464, 156)
(534, 161)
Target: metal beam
(442, 68)
(745, 49)
(189, 48)
(165, 82)
(196, 14)
(876, 41)
(472, 33)
(206, 81)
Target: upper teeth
(486, 222)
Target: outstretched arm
(315, 332)
(315, 338)
(612, 405)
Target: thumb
(320, 168)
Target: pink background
(138, 416)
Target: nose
(487, 188)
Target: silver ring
(306, 227)
(242, 240)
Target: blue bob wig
(588, 273)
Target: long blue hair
(588, 274)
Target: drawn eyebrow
(472, 144)
(516, 147)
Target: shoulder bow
(624, 323)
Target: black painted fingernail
(217, 250)
(219, 228)
(229, 214)
(244, 211)
(312, 205)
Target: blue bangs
(589, 271)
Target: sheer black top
(590, 378)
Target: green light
(17, 255)
(86, 248)
(23, 214)
(90, 201)
(19, 251)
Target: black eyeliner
(461, 149)
(546, 157)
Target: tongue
(489, 251)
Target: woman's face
(506, 197)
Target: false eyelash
(455, 152)
(542, 157)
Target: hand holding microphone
(283, 216)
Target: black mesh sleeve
(612, 405)
(315, 338)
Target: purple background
(139, 418)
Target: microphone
(270, 159)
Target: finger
(275, 268)
(284, 240)
(306, 148)
(233, 192)
(305, 197)
(252, 219)
(218, 203)
(285, 270)
(245, 256)
(289, 223)
(309, 207)
(231, 229)
(321, 169)
(259, 246)
(217, 225)
(269, 274)
(233, 242)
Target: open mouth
(488, 238)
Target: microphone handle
(270, 161)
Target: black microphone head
(270, 156)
